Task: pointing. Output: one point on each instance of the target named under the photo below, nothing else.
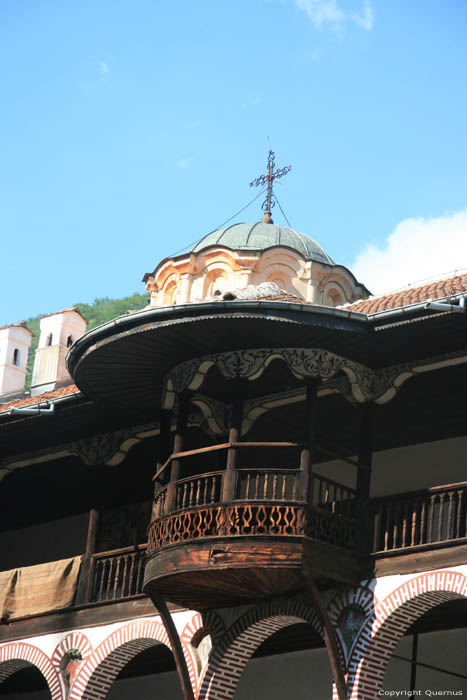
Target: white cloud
(185, 162)
(104, 68)
(321, 12)
(417, 249)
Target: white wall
(408, 468)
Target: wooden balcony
(420, 530)
(210, 550)
(116, 575)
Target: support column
(330, 638)
(365, 457)
(177, 447)
(306, 478)
(83, 591)
(176, 645)
(228, 486)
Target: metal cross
(269, 179)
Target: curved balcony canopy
(128, 358)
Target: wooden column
(330, 638)
(177, 447)
(83, 590)
(228, 485)
(306, 478)
(365, 456)
(165, 423)
(176, 646)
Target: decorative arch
(103, 666)
(228, 660)
(18, 655)
(170, 289)
(75, 640)
(210, 623)
(362, 599)
(364, 383)
(392, 617)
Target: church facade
(253, 487)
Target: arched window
(49, 340)
(69, 341)
(333, 298)
(170, 293)
(16, 357)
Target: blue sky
(129, 129)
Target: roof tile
(40, 398)
(434, 290)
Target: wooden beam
(175, 643)
(329, 637)
(84, 584)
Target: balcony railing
(435, 515)
(264, 502)
(116, 575)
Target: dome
(261, 236)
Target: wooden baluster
(274, 487)
(414, 523)
(406, 508)
(110, 565)
(247, 492)
(295, 486)
(395, 529)
(117, 574)
(101, 566)
(257, 485)
(190, 493)
(265, 485)
(431, 518)
(132, 574)
(284, 488)
(124, 577)
(460, 495)
(205, 485)
(139, 576)
(450, 523)
(213, 489)
(387, 526)
(440, 516)
(422, 538)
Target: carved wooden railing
(269, 485)
(199, 490)
(264, 502)
(244, 519)
(435, 515)
(116, 575)
(333, 496)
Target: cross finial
(269, 179)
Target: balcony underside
(220, 571)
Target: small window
(69, 341)
(49, 340)
(16, 357)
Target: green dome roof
(261, 236)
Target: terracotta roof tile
(40, 398)
(434, 290)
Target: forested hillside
(100, 311)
